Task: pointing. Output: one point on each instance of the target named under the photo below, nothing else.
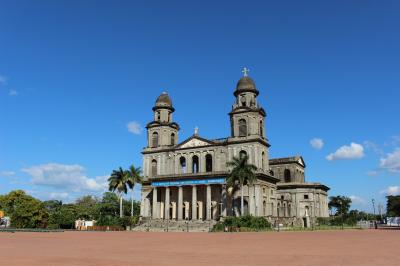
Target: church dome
(163, 101)
(246, 84)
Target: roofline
(225, 143)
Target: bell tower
(162, 131)
(247, 116)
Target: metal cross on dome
(245, 71)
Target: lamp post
(373, 205)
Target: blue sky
(74, 74)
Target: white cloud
(66, 177)
(373, 173)
(3, 79)
(317, 143)
(7, 173)
(59, 195)
(134, 127)
(354, 151)
(391, 162)
(392, 190)
(357, 200)
(12, 93)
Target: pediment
(194, 142)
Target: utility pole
(373, 205)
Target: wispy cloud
(374, 147)
(3, 79)
(12, 93)
(357, 200)
(134, 127)
(66, 177)
(7, 173)
(391, 161)
(391, 191)
(354, 151)
(317, 143)
(59, 195)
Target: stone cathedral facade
(185, 180)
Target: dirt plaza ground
(348, 247)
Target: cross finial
(245, 71)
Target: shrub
(247, 222)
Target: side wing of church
(187, 180)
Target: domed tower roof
(246, 84)
(163, 101)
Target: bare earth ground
(349, 247)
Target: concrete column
(180, 202)
(202, 162)
(166, 208)
(142, 206)
(258, 200)
(208, 203)
(224, 201)
(252, 204)
(155, 205)
(194, 203)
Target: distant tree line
(111, 209)
(26, 211)
(340, 208)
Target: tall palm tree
(243, 173)
(133, 177)
(117, 182)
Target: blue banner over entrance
(189, 182)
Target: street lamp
(373, 205)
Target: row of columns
(156, 210)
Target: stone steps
(159, 225)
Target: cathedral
(186, 180)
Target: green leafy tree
(117, 182)
(25, 211)
(87, 207)
(341, 204)
(241, 173)
(134, 176)
(67, 216)
(393, 206)
(53, 208)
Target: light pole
(373, 206)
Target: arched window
(195, 164)
(261, 129)
(287, 176)
(263, 160)
(172, 139)
(154, 140)
(153, 168)
(243, 100)
(242, 128)
(278, 209)
(182, 163)
(158, 116)
(209, 163)
(242, 154)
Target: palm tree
(117, 182)
(243, 173)
(133, 177)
